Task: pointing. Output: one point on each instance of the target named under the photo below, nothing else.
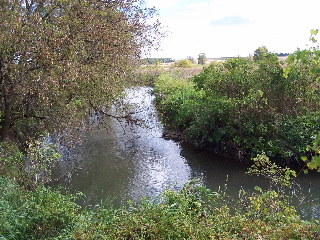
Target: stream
(122, 160)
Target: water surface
(124, 160)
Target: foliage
(279, 177)
(191, 59)
(60, 58)
(260, 53)
(184, 63)
(202, 58)
(311, 57)
(32, 167)
(158, 60)
(171, 82)
(263, 53)
(147, 75)
(40, 157)
(194, 212)
(12, 162)
(243, 107)
(269, 205)
(314, 163)
(39, 214)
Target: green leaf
(291, 58)
(304, 158)
(286, 72)
(315, 163)
(313, 39)
(314, 32)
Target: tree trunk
(6, 122)
(6, 104)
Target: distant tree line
(263, 52)
(158, 60)
(283, 54)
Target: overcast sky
(228, 28)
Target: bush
(169, 83)
(193, 212)
(243, 107)
(12, 161)
(37, 214)
(184, 63)
(31, 167)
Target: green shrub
(37, 214)
(184, 63)
(171, 82)
(31, 167)
(244, 107)
(12, 161)
(193, 212)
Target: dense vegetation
(184, 63)
(31, 211)
(243, 107)
(60, 59)
(158, 60)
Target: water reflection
(124, 160)
(127, 161)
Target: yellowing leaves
(55, 52)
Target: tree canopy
(202, 58)
(58, 58)
(260, 52)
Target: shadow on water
(123, 160)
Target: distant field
(189, 72)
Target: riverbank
(187, 210)
(124, 161)
(241, 108)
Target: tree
(60, 58)
(260, 52)
(263, 53)
(202, 58)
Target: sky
(231, 28)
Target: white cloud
(213, 26)
(230, 21)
